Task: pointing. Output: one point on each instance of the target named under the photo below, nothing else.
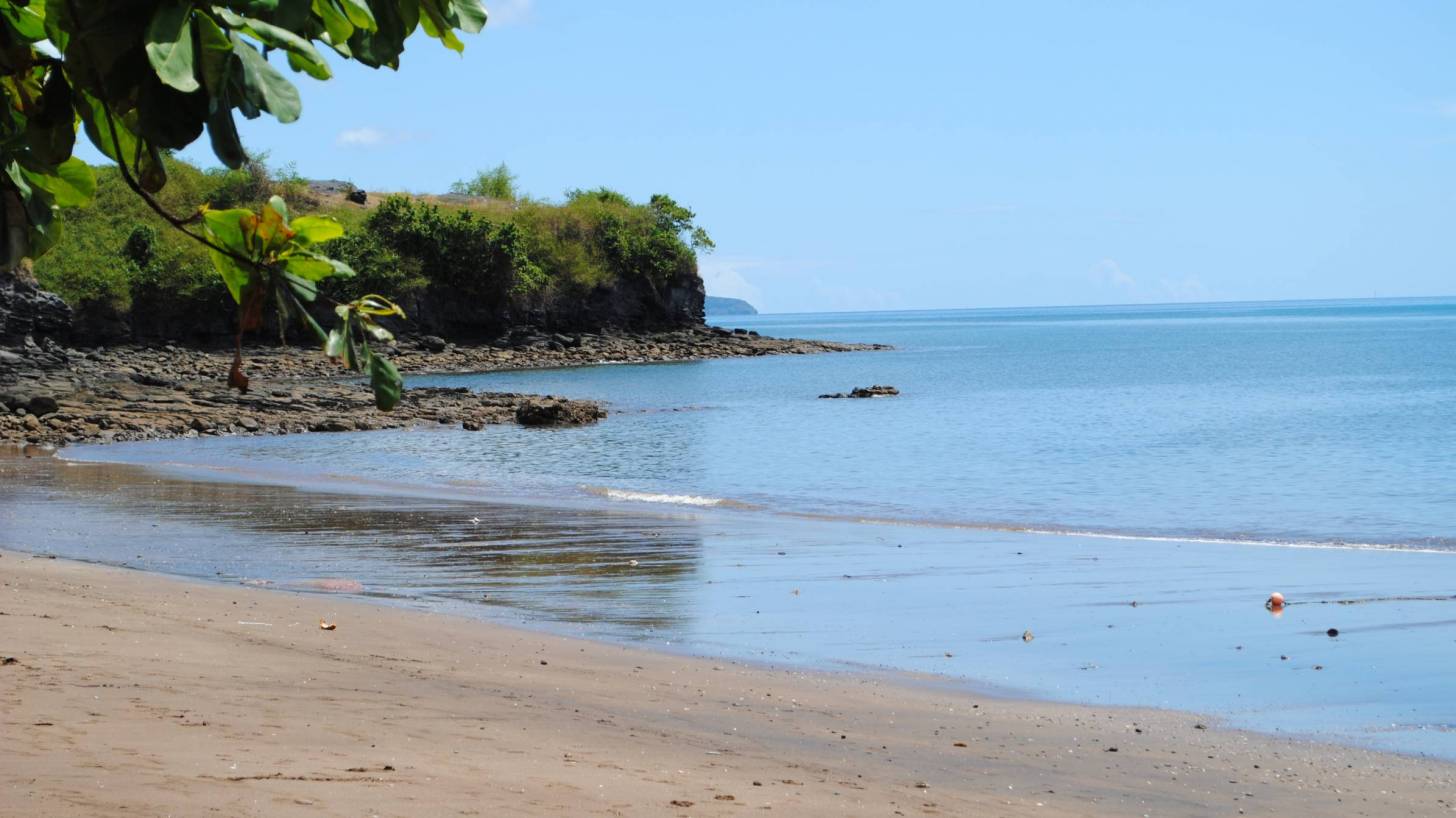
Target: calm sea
(1319, 422)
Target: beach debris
(9, 660)
(263, 624)
(1027, 636)
(633, 563)
(680, 802)
(326, 626)
(724, 797)
(1275, 601)
(1200, 726)
(1332, 632)
(475, 521)
(1319, 667)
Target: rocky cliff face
(632, 305)
(27, 310)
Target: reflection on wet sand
(621, 572)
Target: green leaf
(72, 184)
(387, 384)
(309, 267)
(124, 146)
(25, 20)
(215, 56)
(316, 229)
(337, 24)
(303, 288)
(51, 135)
(435, 24)
(226, 226)
(471, 15)
(266, 87)
(302, 55)
(233, 274)
(169, 45)
(223, 132)
(359, 14)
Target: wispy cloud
(1108, 274)
(508, 12)
(368, 137)
(1446, 108)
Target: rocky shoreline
(54, 395)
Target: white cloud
(507, 12)
(1108, 274)
(724, 276)
(368, 137)
(1446, 108)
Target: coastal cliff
(464, 267)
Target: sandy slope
(133, 694)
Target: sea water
(1041, 470)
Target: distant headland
(718, 305)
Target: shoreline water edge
(127, 690)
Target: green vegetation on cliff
(467, 263)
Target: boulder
(555, 412)
(42, 405)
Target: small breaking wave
(695, 500)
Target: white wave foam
(650, 497)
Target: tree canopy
(144, 77)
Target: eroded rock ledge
(55, 395)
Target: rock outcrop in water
(876, 391)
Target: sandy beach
(132, 693)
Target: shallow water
(822, 593)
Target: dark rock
(332, 425)
(42, 405)
(432, 343)
(876, 391)
(1332, 632)
(553, 412)
(146, 379)
(27, 310)
(357, 195)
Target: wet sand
(132, 693)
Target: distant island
(718, 305)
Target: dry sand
(136, 694)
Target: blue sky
(851, 155)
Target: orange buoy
(1276, 601)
